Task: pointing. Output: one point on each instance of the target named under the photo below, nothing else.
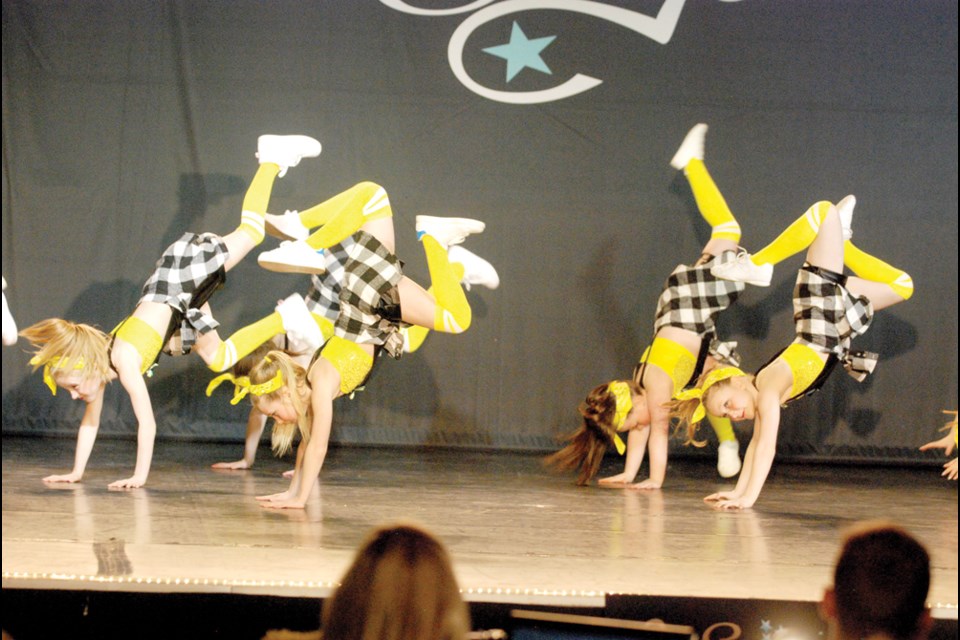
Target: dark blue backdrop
(126, 123)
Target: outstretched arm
(659, 444)
(325, 386)
(760, 453)
(256, 422)
(127, 362)
(946, 443)
(86, 437)
(636, 448)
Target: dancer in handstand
(376, 301)
(829, 309)
(172, 312)
(300, 337)
(684, 344)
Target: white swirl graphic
(659, 29)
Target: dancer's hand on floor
(132, 482)
(950, 470)
(619, 479)
(239, 464)
(738, 504)
(283, 504)
(646, 485)
(276, 497)
(67, 477)
(721, 496)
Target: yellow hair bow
(241, 385)
(624, 397)
(54, 363)
(711, 379)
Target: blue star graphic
(765, 626)
(522, 52)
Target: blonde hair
(587, 445)
(400, 586)
(294, 381)
(62, 345)
(683, 410)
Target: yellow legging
(801, 234)
(246, 340)
(711, 203)
(795, 238)
(723, 428)
(343, 214)
(256, 200)
(869, 267)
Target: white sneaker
(691, 147)
(293, 257)
(303, 334)
(286, 226)
(448, 231)
(9, 324)
(476, 270)
(728, 459)
(743, 269)
(286, 151)
(845, 210)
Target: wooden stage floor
(516, 532)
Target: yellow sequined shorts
(350, 360)
(144, 339)
(805, 364)
(673, 358)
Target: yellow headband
(624, 397)
(242, 386)
(54, 363)
(711, 379)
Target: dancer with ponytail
(376, 301)
(829, 310)
(685, 342)
(171, 314)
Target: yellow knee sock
(326, 327)
(245, 341)
(723, 428)
(795, 238)
(256, 200)
(869, 267)
(415, 337)
(417, 334)
(453, 314)
(343, 214)
(710, 201)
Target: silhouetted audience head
(400, 587)
(880, 585)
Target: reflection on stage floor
(516, 532)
